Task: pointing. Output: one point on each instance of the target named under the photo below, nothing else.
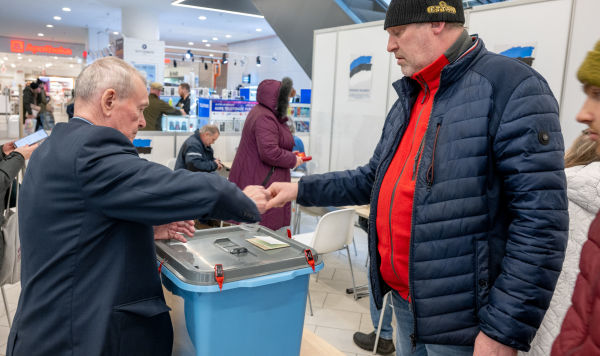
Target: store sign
(18, 46)
(37, 47)
(232, 106)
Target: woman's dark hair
(283, 100)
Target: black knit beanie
(403, 12)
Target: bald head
(110, 92)
(109, 72)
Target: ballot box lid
(243, 252)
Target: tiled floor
(336, 314)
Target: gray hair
(210, 129)
(106, 73)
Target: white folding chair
(381, 314)
(334, 232)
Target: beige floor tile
(317, 297)
(330, 286)
(366, 324)
(338, 338)
(334, 319)
(310, 327)
(344, 302)
(343, 274)
(326, 273)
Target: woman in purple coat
(265, 153)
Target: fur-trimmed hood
(274, 94)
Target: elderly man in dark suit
(89, 210)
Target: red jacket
(395, 204)
(580, 333)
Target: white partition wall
(584, 35)
(346, 121)
(323, 87)
(542, 24)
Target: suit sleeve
(196, 160)
(528, 150)
(120, 185)
(267, 139)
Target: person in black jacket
(184, 100)
(13, 160)
(196, 154)
(89, 211)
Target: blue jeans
(405, 327)
(387, 331)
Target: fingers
(281, 193)
(178, 237)
(184, 227)
(259, 195)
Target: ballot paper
(267, 242)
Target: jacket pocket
(140, 328)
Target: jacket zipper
(413, 335)
(430, 170)
(418, 157)
(426, 88)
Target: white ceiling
(177, 25)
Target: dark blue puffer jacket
(490, 221)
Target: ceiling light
(211, 55)
(40, 34)
(116, 33)
(190, 43)
(202, 18)
(57, 18)
(66, 9)
(12, 65)
(207, 45)
(48, 65)
(70, 66)
(19, 57)
(49, 26)
(204, 41)
(258, 29)
(5, 58)
(258, 61)
(29, 60)
(215, 38)
(228, 36)
(179, 3)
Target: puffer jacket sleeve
(528, 149)
(350, 187)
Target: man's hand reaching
(281, 193)
(259, 195)
(175, 230)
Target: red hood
(267, 94)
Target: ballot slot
(231, 247)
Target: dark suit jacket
(90, 284)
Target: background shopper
(265, 153)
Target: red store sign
(19, 46)
(38, 47)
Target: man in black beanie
(468, 221)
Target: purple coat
(266, 142)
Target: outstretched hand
(281, 193)
(175, 230)
(259, 195)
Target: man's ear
(108, 101)
(438, 27)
